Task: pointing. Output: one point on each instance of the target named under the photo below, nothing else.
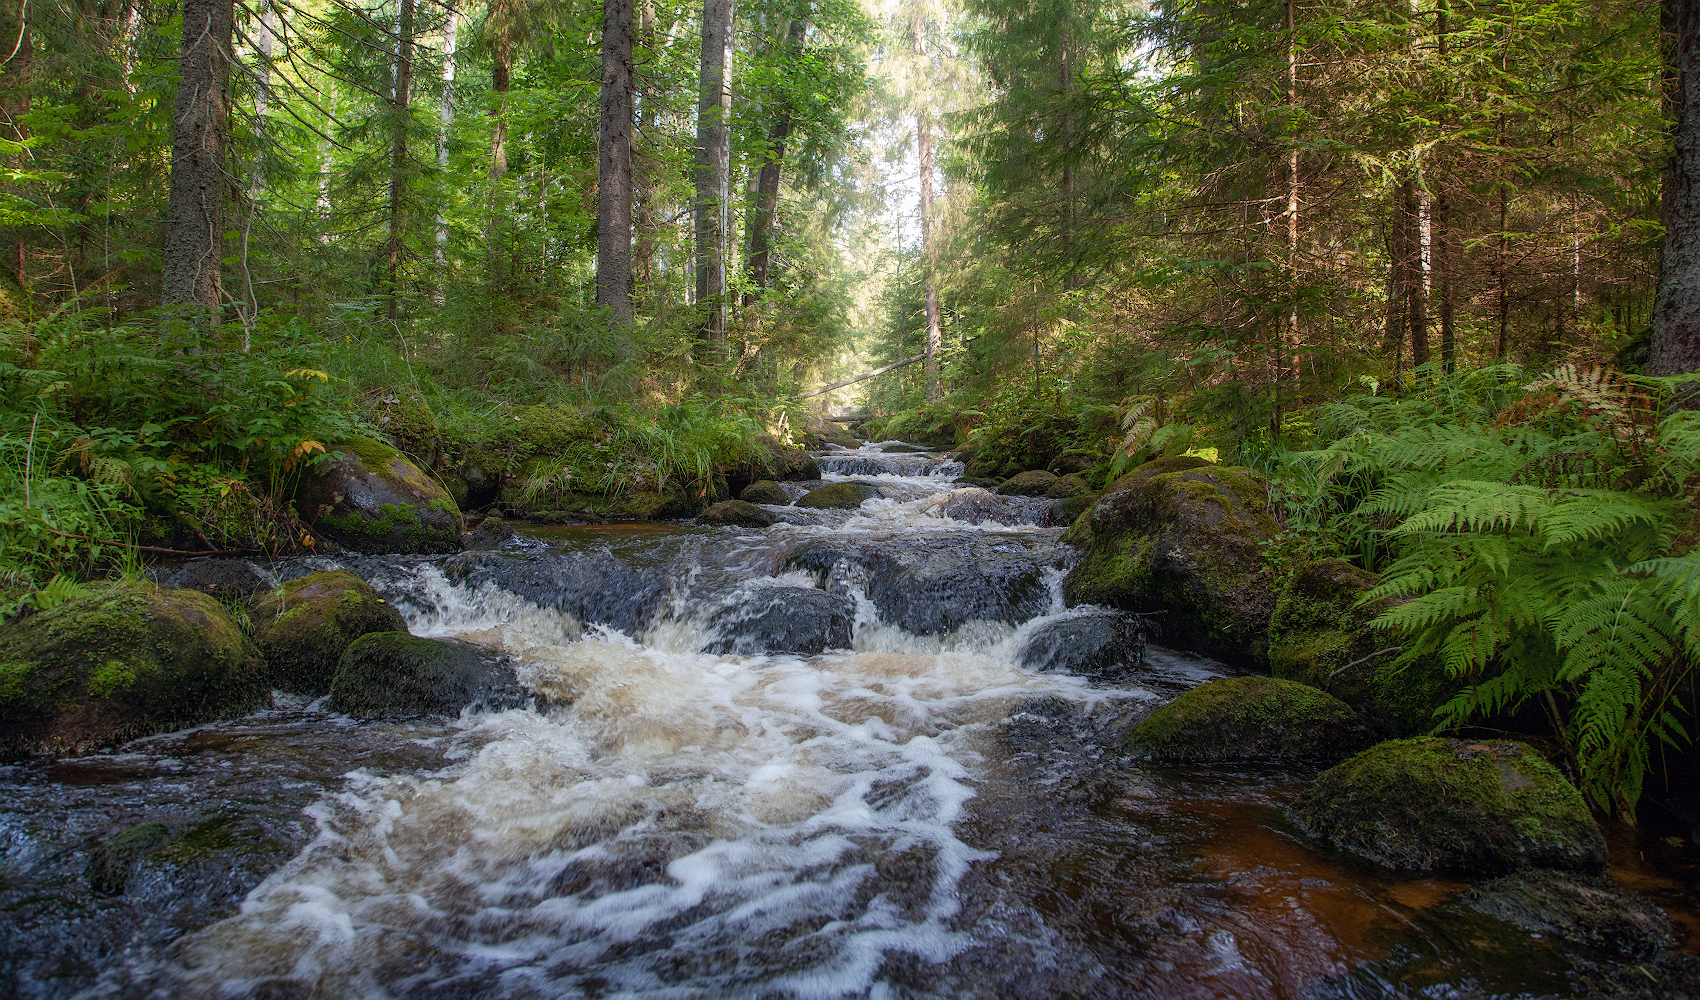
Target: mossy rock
(1071, 485)
(395, 675)
(737, 514)
(765, 491)
(369, 498)
(1583, 909)
(491, 533)
(1076, 460)
(818, 436)
(304, 626)
(1065, 512)
(768, 459)
(1182, 537)
(1430, 803)
(1320, 635)
(671, 502)
(1033, 483)
(840, 496)
(120, 661)
(1250, 718)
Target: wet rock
(227, 579)
(369, 498)
(1588, 910)
(1320, 635)
(179, 842)
(393, 675)
(1182, 537)
(779, 619)
(1065, 512)
(977, 506)
(1250, 718)
(990, 485)
(121, 661)
(1034, 483)
(840, 496)
(1098, 643)
(769, 459)
(594, 585)
(1074, 460)
(304, 627)
(818, 436)
(738, 514)
(1446, 804)
(491, 533)
(765, 491)
(904, 449)
(550, 502)
(1067, 486)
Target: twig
(148, 548)
(1379, 652)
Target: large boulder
(226, 579)
(1100, 643)
(840, 496)
(779, 619)
(492, 533)
(1584, 909)
(1071, 485)
(1250, 718)
(737, 514)
(1033, 483)
(304, 626)
(369, 498)
(393, 674)
(1183, 539)
(123, 660)
(1066, 511)
(765, 491)
(974, 505)
(1431, 803)
(1320, 634)
(769, 459)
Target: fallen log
(866, 375)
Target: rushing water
(911, 813)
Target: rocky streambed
(866, 746)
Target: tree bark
(1676, 313)
(194, 221)
(500, 58)
(1444, 262)
(929, 254)
(614, 164)
(445, 121)
(643, 166)
(767, 181)
(398, 149)
(713, 176)
(14, 100)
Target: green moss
(765, 492)
(1250, 718)
(1432, 803)
(1034, 483)
(388, 674)
(1066, 513)
(304, 626)
(199, 842)
(111, 861)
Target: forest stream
(925, 813)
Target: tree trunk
(929, 254)
(1416, 272)
(14, 101)
(1676, 314)
(767, 181)
(713, 177)
(614, 164)
(1290, 351)
(500, 58)
(263, 90)
(643, 166)
(1394, 324)
(1444, 263)
(194, 221)
(398, 148)
(445, 121)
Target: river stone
(1065, 512)
(491, 533)
(779, 619)
(304, 626)
(228, 579)
(1250, 718)
(1074, 460)
(1320, 635)
(122, 660)
(766, 491)
(1588, 910)
(1034, 483)
(366, 496)
(1184, 538)
(840, 496)
(1103, 644)
(736, 513)
(1067, 486)
(1432, 803)
(974, 505)
(393, 674)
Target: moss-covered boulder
(1065, 512)
(492, 533)
(1071, 485)
(840, 496)
(1319, 634)
(1453, 805)
(366, 496)
(736, 514)
(1033, 483)
(771, 459)
(1250, 718)
(1076, 460)
(120, 661)
(765, 491)
(1182, 537)
(1584, 909)
(546, 503)
(819, 435)
(304, 626)
(392, 674)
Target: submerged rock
(840, 496)
(120, 661)
(304, 626)
(393, 675)
(974, 505)
(779, 619)
(491, 533)
(1103, 644)
(1446, 804)
(737, 513)
(366, 496)
(1250, 718)
(1182, 537)
(1588, 910)
(1320, 635)
(227, 579)
(1035, 483)
(765, 491)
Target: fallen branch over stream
(862, 377)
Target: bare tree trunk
(767, 181)
(1291, 347)
(398, 148)
(445, 121)
(1504, 349)
(1676, 314)
(1416, 274)
(614, 167)
(263, 90)
(14, 100)
(501, 57)
(194, 221)
(713, 177)
(643, 166)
